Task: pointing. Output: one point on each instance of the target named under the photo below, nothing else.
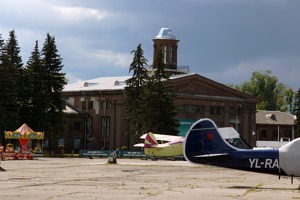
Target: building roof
(204, 87)
(105, 83)
(274, 117)
(70, 109)
(101, 83)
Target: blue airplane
(204, 144)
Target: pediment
(198, 85)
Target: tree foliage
(133, 91)
(36, 90)
(10, 82)
(158, 110)
(54, 81)
(273, 94)
(3, 86)
(297, 113)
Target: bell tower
(167, 42)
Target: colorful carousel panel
(24, 134)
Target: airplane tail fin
(204, 143)
(150, 140)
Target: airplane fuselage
(205, 145)
(250, 160)
(168, 151)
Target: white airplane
(169, 145)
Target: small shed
(274, 125)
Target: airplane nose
(289, 158)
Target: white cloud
(225, 43)
(114, 58)
(75, 14)
(286, 69)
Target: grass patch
(253, 189)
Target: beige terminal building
(96, 118)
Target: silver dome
(165, 33)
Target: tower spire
(167, 42)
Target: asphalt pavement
(84, 178)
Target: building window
(275, 135)
(215, 110)
(83, 105)
(171, 55)
(234, 111)
(77, 126)
(76, 144)
(193, 109)
(105, 127)
(91, 105)
(105, 104)
(262, 135)
(288, 134)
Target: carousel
(24, 134)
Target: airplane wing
(211, 155)
(157, 145)
(162, 137)
(139, 145)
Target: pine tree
(37, 98)
(158, 110)
(54, 81)
(16, 65)
(13, 50)
(2, 89)
(11, 82)
(134, 89)
(297, 113)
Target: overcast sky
(224, 40)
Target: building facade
(101, 100)
(103, 124)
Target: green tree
(273, 94)
(297, 113)
(289, 98)
(3, 72)
(13, 50)
(16, 65)
(37, 99)
(158, 110)
(11, 82)
(133, 91)
(54, 81)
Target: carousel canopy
(24, 132)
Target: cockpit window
(238, 143)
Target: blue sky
(224, 40)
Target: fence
(107, 153)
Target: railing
(175, 68)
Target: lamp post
(103, 122)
